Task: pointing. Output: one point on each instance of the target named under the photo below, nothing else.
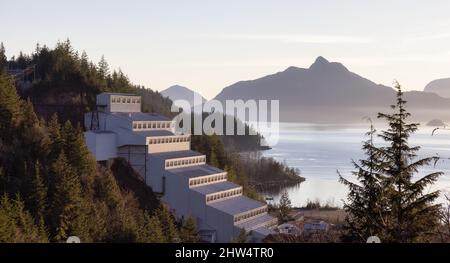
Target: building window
(128, 100)
(134, 125)
(154, 125)
(159, 125)
(123, 100)
(139, 126)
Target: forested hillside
(66, 82)
(50, 185)
(52, 188)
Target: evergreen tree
(152, 231)
(284, 207)
(67, 202)
(167, 222)
(213, 158)
(188, 233)
(3, 58)
(103, 67)
(388, 201)
(107, 188)
(84, 62)
(30, 118)
(414, 213)
(16, 223)
(38, 194)
(366, 200)
(243, 236)
(9, 107)
(78, 155)
(55, 136)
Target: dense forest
(52, 188)
(66, 82)
(50, 185)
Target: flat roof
(236, 205)
(177, 154)
(118, 93)
(154, 133)
(196, 171)
(256, 221)
(101, 131)
(141, 116)
(214, 188)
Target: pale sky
(207, 45)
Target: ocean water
(320, 151)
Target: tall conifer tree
(414, 212)
(390, 201)
(366, 200)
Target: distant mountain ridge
(439, 86)
(178, 92)
(329, 92)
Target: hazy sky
(207, 45)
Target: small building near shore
(289, 229)
(316, 227)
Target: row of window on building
(169, 140)
(209, 179)
(251, 214)
(189, 161)
(126, 100)
(151, 125)
(227, 194)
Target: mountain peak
(178, 92)
(179, 87)
(323, 64)
(321, 60)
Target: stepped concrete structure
(186, 183)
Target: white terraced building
(167, 164)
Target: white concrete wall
(169, 147)
(111, 122)
(102, 145)
(103, 99)
(136, 156)
(128, 106)
(127, 137)
(196, 163)
(177, 194)
(197, 208)
(222, 223)
(152, 125)
(155, 173)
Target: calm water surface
(319, 151)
